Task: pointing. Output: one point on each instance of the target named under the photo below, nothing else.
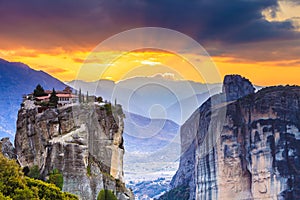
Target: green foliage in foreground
(14, 185)
(106, 195)
(56, 178)
(178, 193)
(47, 190)
(2, 197)
(34, 172)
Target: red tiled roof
(57, 92)
(58, 95)
(43, 97)
(66, 95)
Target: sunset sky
(259, 39)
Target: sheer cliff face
(84, 142)
(194, 130)
(251, 153)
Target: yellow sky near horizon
(68, 66)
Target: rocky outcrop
(235, 87)
(84, 142)
(243, 149)
(7, 149)
(199, 122)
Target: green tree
(48, 190)
(11, 177)
(106, 195)
(53, 98)
(79, 96)
(34, 172)
(39, 91)
(108, 108)
(99, 99)
(25, 193)
(56, 178)
(15, 186)
(2, 197)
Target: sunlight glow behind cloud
(149, 62)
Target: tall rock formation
(84, 142)
(199, 122)
(243, 149)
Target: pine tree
(79, 95)
(39, 91)
(99, 99)
(53, 98)
(87, 96)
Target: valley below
(149, 180)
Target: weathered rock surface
(199, 122)
(7, 149)
(84, 142)
(244, 149)
(235, 87)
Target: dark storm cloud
(234, 20)
(86, 22)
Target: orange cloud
(78, 60)
(52, 70)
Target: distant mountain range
(17, 79)
(153, 97)
(145, 135)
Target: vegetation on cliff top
(39, 91)
(14, 185)
(53, 101)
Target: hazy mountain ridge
(138, 95)
(17, 79)
(148, 135)
(152, 152)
